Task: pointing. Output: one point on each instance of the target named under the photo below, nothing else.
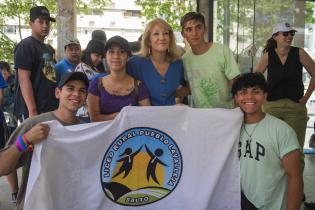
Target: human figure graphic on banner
(127, 161)
(153, 163)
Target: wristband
(23, 144)
(29, 144)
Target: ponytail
(270, 44)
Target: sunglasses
(292, 33)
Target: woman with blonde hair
(158, 63)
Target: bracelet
(29, 144)
(23, 144)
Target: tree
(241, 14)
(247, 20)
(309, 12)
(19, 10)
(170, 10)
(245, 25)
(7, 46)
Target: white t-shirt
(263, 179)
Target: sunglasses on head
(292, 33)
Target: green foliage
(19, 10)
(246, 25)
(267, 12)
(6, 50)
(170, 10)
(309, 12)
(84, 6)
(233, 15)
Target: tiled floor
(5, 195)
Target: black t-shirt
(32, 55)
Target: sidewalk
(5, 195)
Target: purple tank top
(113, 103)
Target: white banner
(170, 158)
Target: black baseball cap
(73, 76)
(99, 35)
(40, 11)
(118, 40)
(95, 46)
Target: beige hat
(71, 41)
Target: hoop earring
(168, 50)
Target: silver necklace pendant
(250, 135)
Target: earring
(149, 50)
(168, 50)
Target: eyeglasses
(292, 33)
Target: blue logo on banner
(142, 165)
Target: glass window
(246, 25)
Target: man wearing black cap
(36, 78)
(72, 93)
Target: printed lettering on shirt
(253, 149)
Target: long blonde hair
(173, 52)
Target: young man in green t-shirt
(210, 68)
(269, 151)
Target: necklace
(122, 89)
(250, 135)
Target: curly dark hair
(247, 80)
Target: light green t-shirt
(263, 179)
(208, 76)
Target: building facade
(121, 17)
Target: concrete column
(203, 7)
(299, 23)
(66, 23)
